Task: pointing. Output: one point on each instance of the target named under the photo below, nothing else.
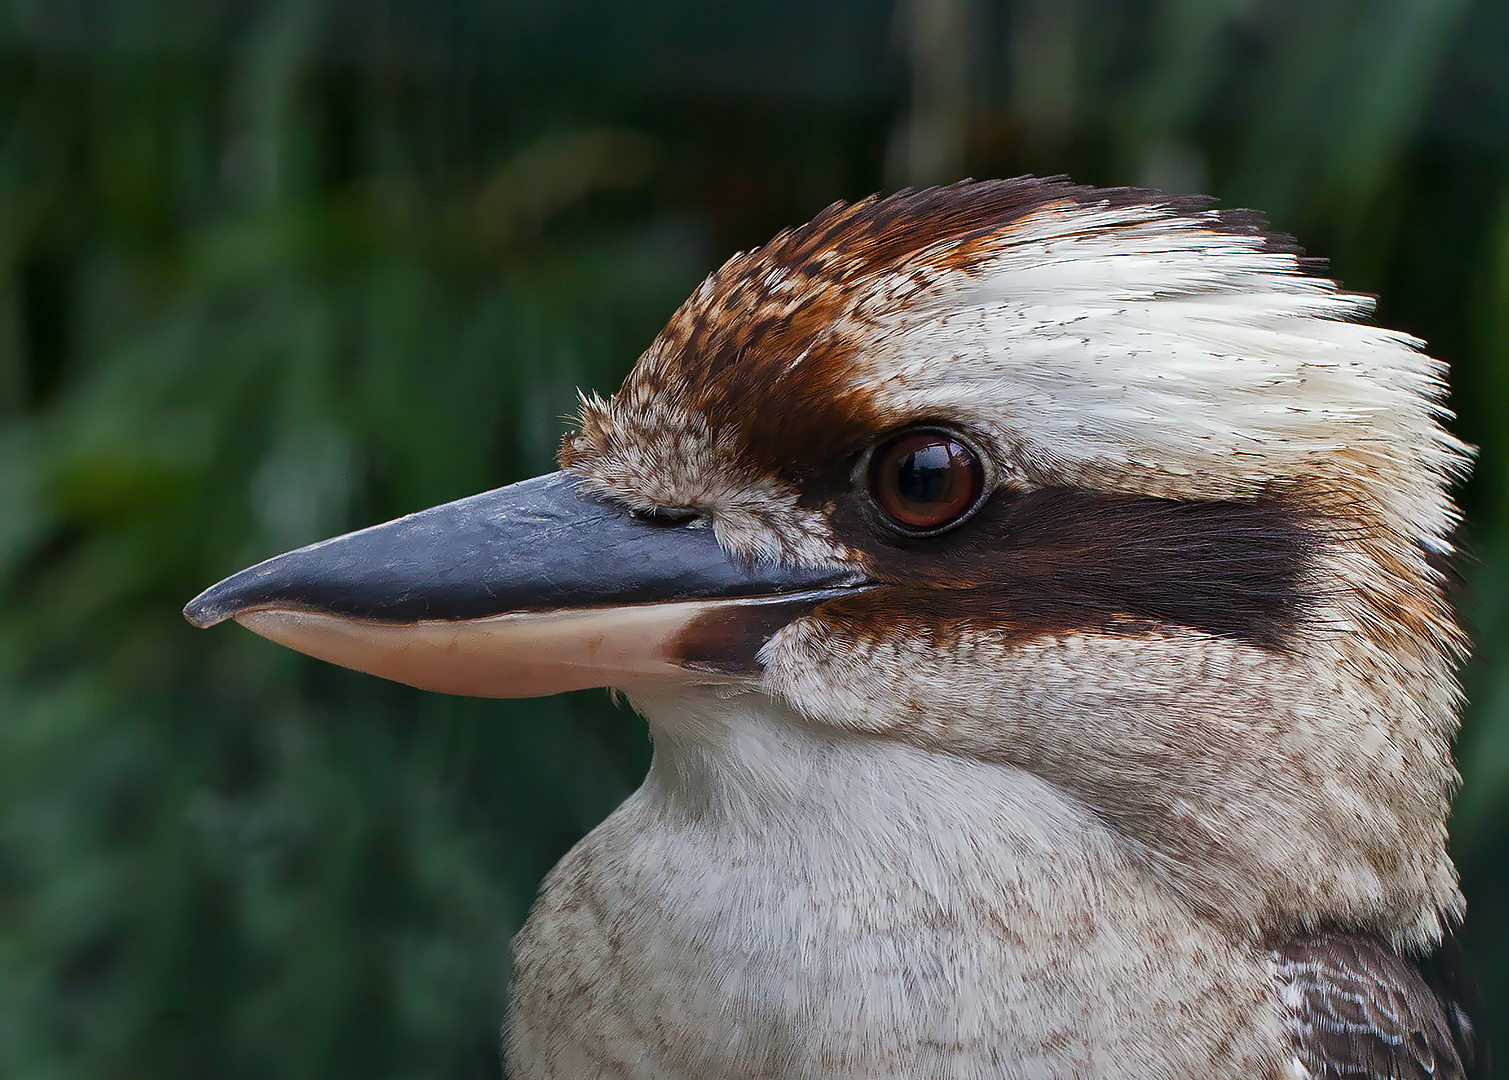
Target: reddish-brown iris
(925, 481)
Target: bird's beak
(531, 589)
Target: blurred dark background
(273, 269)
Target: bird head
(1101, 485)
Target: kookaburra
(1035, 596)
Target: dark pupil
(924, 475)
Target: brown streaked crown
(776, 333)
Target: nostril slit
(666, 516)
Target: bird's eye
(926, 481)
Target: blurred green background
(276, 269)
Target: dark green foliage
(275, 269)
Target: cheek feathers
(1058, 560)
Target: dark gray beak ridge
(539, 545)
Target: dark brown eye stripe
(1062, 559)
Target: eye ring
(924, 481)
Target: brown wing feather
(1360, 1011)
